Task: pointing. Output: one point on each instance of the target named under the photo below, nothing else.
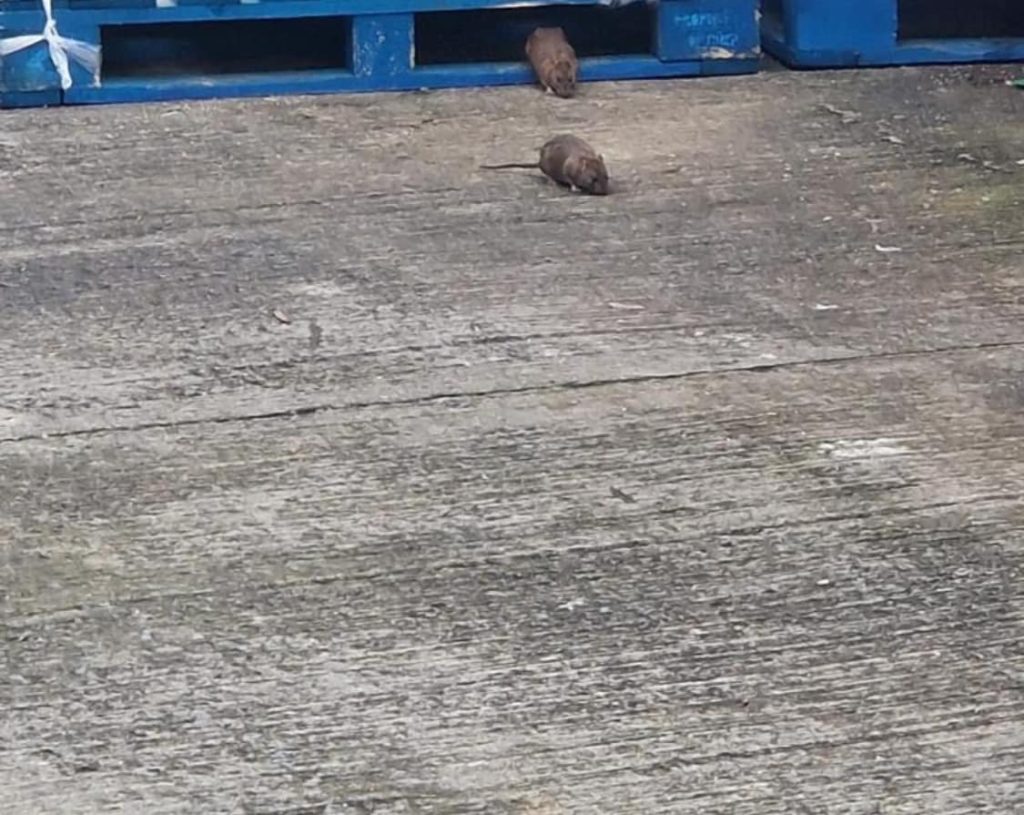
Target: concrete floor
(340, 476)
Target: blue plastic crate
(847, 33)
(192, 49)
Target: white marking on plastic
(864, 448)
(85, 54)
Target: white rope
(85, 54)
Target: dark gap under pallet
(226, 47)
(499, 35)
(959, 19)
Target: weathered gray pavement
(340, 476)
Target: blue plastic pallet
(362, 45)
(849, 33)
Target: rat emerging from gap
(570, 162)
(553, 60)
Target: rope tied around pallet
(85, 54)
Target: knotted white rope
(85, 54)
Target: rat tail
(532, 166)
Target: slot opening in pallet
(499, 35)
(773, 12)
(772, 7)
(226, 47)
(956, 19)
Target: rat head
(544, 35)
(590, 174)
(563, 79)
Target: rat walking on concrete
(570, 162)
(553, 60)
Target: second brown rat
(570, 162)
(553, 60)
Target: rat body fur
(570, 162)
(553, 60)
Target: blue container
(848, 33)
(192, 49)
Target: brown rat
(570, 162)
(553, 60)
